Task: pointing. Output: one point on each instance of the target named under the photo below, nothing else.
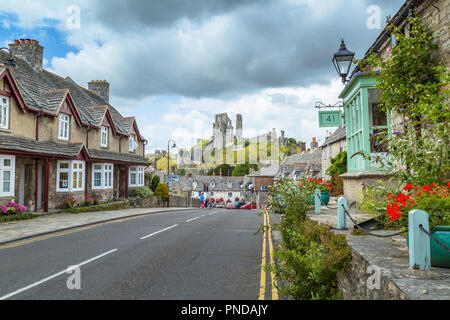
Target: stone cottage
(59, 139)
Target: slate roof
(41, 91)
(339, 134)
(302, 163)
(215, 183)
(266, 171)
(13, 143)
(115, 156)
(44, 91)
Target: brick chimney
(28, 50)
(314, 144)
(100, 87)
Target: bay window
(102, 176)
(137, 176)
(70, 176)
(7, 166)
(4, 112)
(64, 125)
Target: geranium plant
(311, 184)
(70, 202)
(392, 210)
(12, 209)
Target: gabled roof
(339, 134)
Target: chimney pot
(30, 51)
(100, 87)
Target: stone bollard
(317, 201)
(342, 216)
(419, 242)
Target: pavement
(391, 255)
(199, 254)
(23, 229)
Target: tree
(225, 169)
(155, 182)
(243, 169)
(182, 172)
(162, 190)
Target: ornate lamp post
(10, 61)
(342, 61)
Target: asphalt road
(210, 254)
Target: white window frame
(106, 176)
(11, 170)
(4, 112)
(70, 170)
(140, 176)
(64, 127)
(104, 137)
(132, 142)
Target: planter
(324, 196)
(439, 256)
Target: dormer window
(4, 112)
(64, 125)
(133, 144)
(104, 142)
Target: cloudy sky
(174, 64)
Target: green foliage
(155, 182)
(182, 172)
(163, 191)
(148, 178)
(338, 166)
(16, 217)
(311, 259)
(142, 192)
(243, 169)
(225, 169)
(117, 205)
(415, 87)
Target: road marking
(63, 233)
(272, 261)
(192, 219)
(54, 276)
(262, 287)
(159, 232)
(213, 212)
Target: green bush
(311, 257)
(142, 192)
(117, 205)
(311, 254)
(162, 191)
(25, 216)
(155, 182)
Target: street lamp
(342, 61)
(168, 156)
(10, 61)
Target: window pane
(64, 165)
(63, 180)
(74, 180)
(7, 163)
(133, 179)
(97, 179)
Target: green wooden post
(419, 242)
(317, 201)
(342, 216)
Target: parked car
(249, 207)
(238, 205)
(230, 205)
(220, 205)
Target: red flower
(426, 189)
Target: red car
(249, 206)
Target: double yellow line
(267, 233)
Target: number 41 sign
(330, 118)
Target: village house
(308, 164)
(363, 117)
(58, 139)
(333, 145)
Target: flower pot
(324, 196)
(439, 256)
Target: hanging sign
(330, 118)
